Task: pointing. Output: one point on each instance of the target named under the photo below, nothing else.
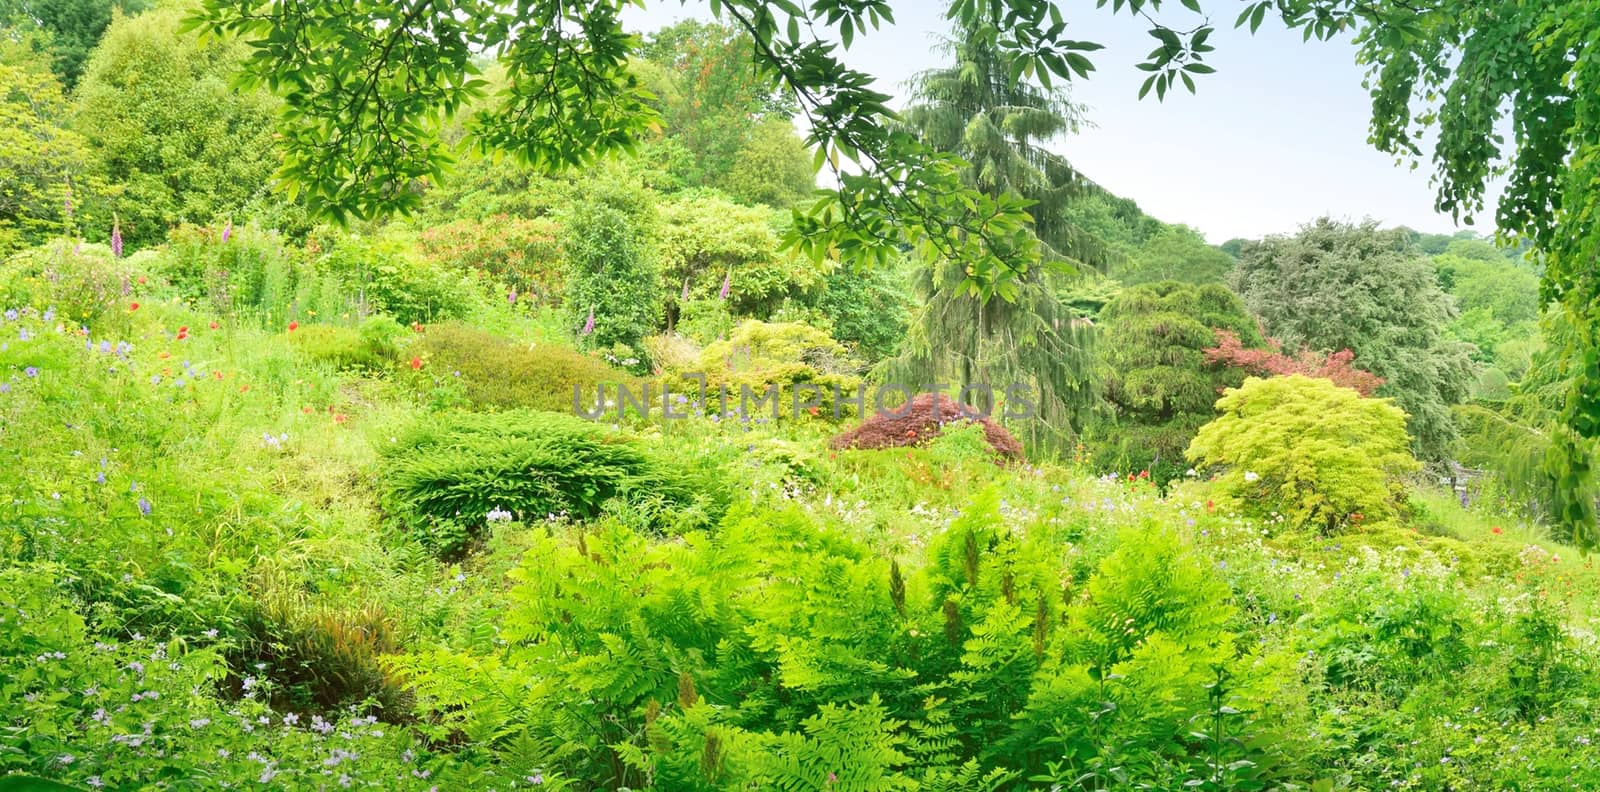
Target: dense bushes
(449, 477)
(512, 252)
(758, 355)
(385, 273)
(82, 283)
(1319, 453)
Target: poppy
(293, 326)
(133, 306)
(416, 364)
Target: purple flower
(11, 315)
(588, 324)
(31, 371)
(227, 231)
(49, 314)
(5, 387)
(727, 284)
(144, 506)
(116, 238)
(512, 297)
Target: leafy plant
(1320, 453)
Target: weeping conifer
(974, 109)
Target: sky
(1276, 138)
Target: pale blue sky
(1274, 139)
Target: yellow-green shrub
(1319, 453)
(497, 372)
(761, 354)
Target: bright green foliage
(499, 373)
(1335, 286)
(611, 276)
(161, 112)
(1318, 453)
(372, 347)
(1153, 340)
(386, 273)
(443, 477)
(778, 652)
(1175, 253)
(69, 29)
(45, 168)
(257, 276)
(704, 240)
(82, 282)
(772, 168)
(731, 120)
(758, 355)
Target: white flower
(1251, 475)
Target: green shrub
(444, 478)
(386, 273)
(611, 278)
(496, 372)
(256, 274)
(82, 282)
(321, 658)
(1319, 453)
(759, 355)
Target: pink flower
(685, 295)
(116, 238)
(727, 283)
(588, 324)
(227, 231)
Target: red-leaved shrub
(920, 421)
(1338, 366)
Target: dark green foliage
(444, 476)
(500, 373)
(1153, 340)
(869, 310)
(1336, 286)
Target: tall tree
(973, 109)
(159, 108)
(1158, 380)
(65, 30)
(1335, 286)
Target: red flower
(416, 364)
(213, 325)
(243, 388)
(417, 326)
(133, 306)
(1210, 505)
(1496, 530)
(306, 410)
(141, 279)
(293, 326)
(217, 374)
(338, 418)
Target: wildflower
(1251, 475)
(338, 418)
(133, 306)
(588, 324)
(293, 325)
(31, 371)
(727, 285)
(227, 231)
(512, 297)
(144, 506)
(1496, 530)
(416, 364)
(155, 379)
(291, 719)
(498, 515)
(116, 237)
(536, 778)
(11, 314)
(49, 314)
